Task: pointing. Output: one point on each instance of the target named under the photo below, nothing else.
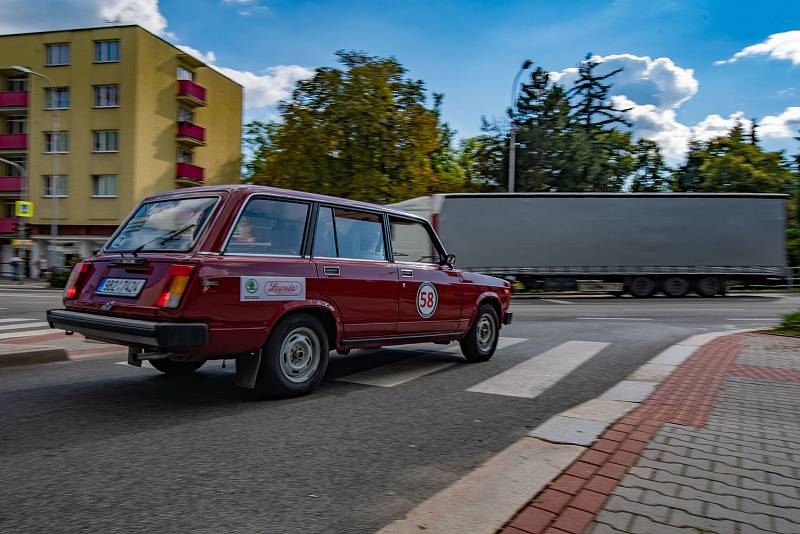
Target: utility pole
(512, 145)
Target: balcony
(13, 142)
(191, 93)
(191, 134)
(10, 184)
(188, 173)
(8, 226)
(13, 100)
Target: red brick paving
(687, 397)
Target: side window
(271, 227)
(359, 235)
(324, 235)
(411, 242)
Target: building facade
(120, 115)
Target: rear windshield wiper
(163, 238)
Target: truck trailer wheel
(675, 286)
(294, 359)
(708, 286)
(481, 341)
(176, 368)
(642, 287)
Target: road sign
(23, 208)
(23, 242)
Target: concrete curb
(487, 498)
(32, 355)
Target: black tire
(280, 373)
(675, 286)
(642, 287)
(481, 340)
(708, 286)
(176, 368)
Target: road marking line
(15, 319)
(556, 301)
(394, 374)
(23, 325)
(534, 376)
(484, 499)
(685, 309)
(755, 319)
(502, 343)
(613, 318)
(30, 333)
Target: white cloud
(261, 90)
(19, 16)
(644, 80)
(782, 126)
(784, 46)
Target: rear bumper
(162, 336)
(508, 317)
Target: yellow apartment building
(99, 118)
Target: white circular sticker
(427, 299)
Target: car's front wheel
(176, 368)
(481, 341)
(294, 359)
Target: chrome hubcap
(300, 354)
(486, 332)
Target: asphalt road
(93, 446)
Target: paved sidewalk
(45, 348)
(716, 448)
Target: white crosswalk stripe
(533, 376)
(16, 327)
(397, 373)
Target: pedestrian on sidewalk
(43, 266)
(16, 267)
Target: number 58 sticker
(427, 299)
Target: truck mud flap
(247, 370)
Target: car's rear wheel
(176, 368)
(481, 341)
(294, 359)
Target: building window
(185, 74)
(106, 51)
(104, 185)
(185, 115)
(184, 156)
(17, 83)
(106, 96)
(56, 98)
(57, 183)
(56, 142)
(17, 124)
(105, 141)
(57, 54)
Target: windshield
(154, 225)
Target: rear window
(269, 227)
(172, 225)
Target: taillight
(177, 282)
(75, 277)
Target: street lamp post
(512, 146)
(53, 179)
(22, 196)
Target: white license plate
(120, 287)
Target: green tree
(362, 131)
(651, 173)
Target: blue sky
(470, 50)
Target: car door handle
(331, 271)
(406, 273)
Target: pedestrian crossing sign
(23, 208)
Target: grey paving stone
(679, 518)
(616, 520)
(560, 429)
(602, 528)
(644, 525)
(655, 512)
(721, 513)
(724, 499)
(630, 391)
(659, 499)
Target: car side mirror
(450, 260)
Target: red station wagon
(275, 279)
